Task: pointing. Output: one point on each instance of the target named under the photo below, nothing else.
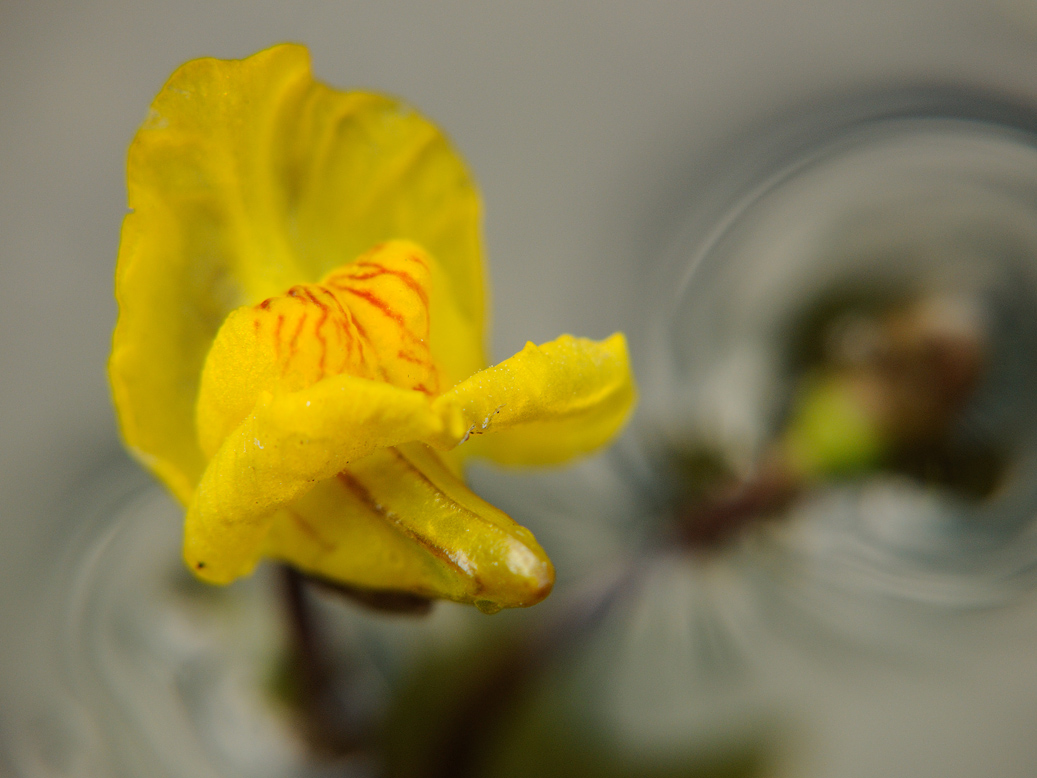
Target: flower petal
(246, 178)
(287, 444)
(369, 318)
(399, 519)
(548, 403)
(387, 293)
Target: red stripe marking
(406, 278)
(309, 531)
(333, 297)
(362, 494)
(381, 305)
(349, 340)
(343, 323)
(292, 344)
(277, 334)
(317, 330)
(313, 298)
(323, 342)
(413, 359)
(363, 337)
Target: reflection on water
(859, 343)
(151, 673)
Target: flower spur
(299, 350)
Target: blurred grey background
(583, 122)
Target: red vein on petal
(408, 280)
(308, 530)
(364, 495)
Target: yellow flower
(299, 350)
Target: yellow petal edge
(299, 350)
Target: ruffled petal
(369, 318)
(286, 445)
(400, 520)
(548, 403)
(248, 177)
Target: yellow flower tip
(533, 578)
(301, 332)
